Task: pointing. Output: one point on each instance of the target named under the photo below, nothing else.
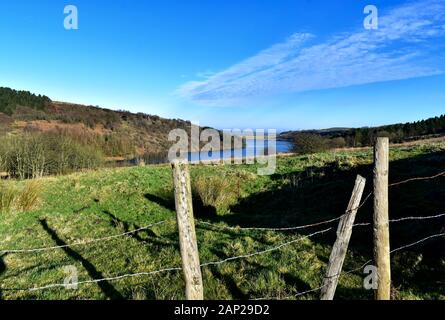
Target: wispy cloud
(409, 43)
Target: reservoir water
(250, 150)
(253, 148)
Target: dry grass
(14, 199)
(7, 196)
(219, 192)
(28, 198)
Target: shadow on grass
(2, 270)
(343, 293)
(166, 203)
(291, 280)
(322, 193)
(152, 238)
(199, 209)
(105, 286)
(2, 265)
(295, 282)
(230, 284)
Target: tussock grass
(220, 191)
(28, 197)
(19, 199)
(215, 191)
(7, 196)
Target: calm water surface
(253, 148)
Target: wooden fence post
(381, 219)
(340, 248)
(187, 236)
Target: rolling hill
(116, 133)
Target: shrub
(38, 154)
(28, 198)
(307, 143)
(7, 196)
(118, 145)
(3, 160)
(19, 199)
(338, 142)
(219, 192)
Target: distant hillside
(115, 133)
(361, 137)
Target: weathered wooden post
(381, 219)
(340, 248)
(187, 236)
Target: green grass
(305, 189)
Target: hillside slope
(117, 133)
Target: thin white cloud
(409, 43)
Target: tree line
(397, 132)
(34, 155)
(10, 99)
(313, 141)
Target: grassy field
(304, 190)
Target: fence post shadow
(151, 236)
(2, 270)
(229, 283)
(105, 286)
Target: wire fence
(85, 242)
(234, 258)
(216, 263)
(356, 269)
(131, 275)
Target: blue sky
(280, 64)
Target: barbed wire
(418, 242)
(267, 250)
(275, 248)
(289, 228)
(353, 270)
(418, 218)
(272, 229)
(84, 242)
(367, 197)
(64, 285)
(365, 224)
(442, 174)
(130, 275)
